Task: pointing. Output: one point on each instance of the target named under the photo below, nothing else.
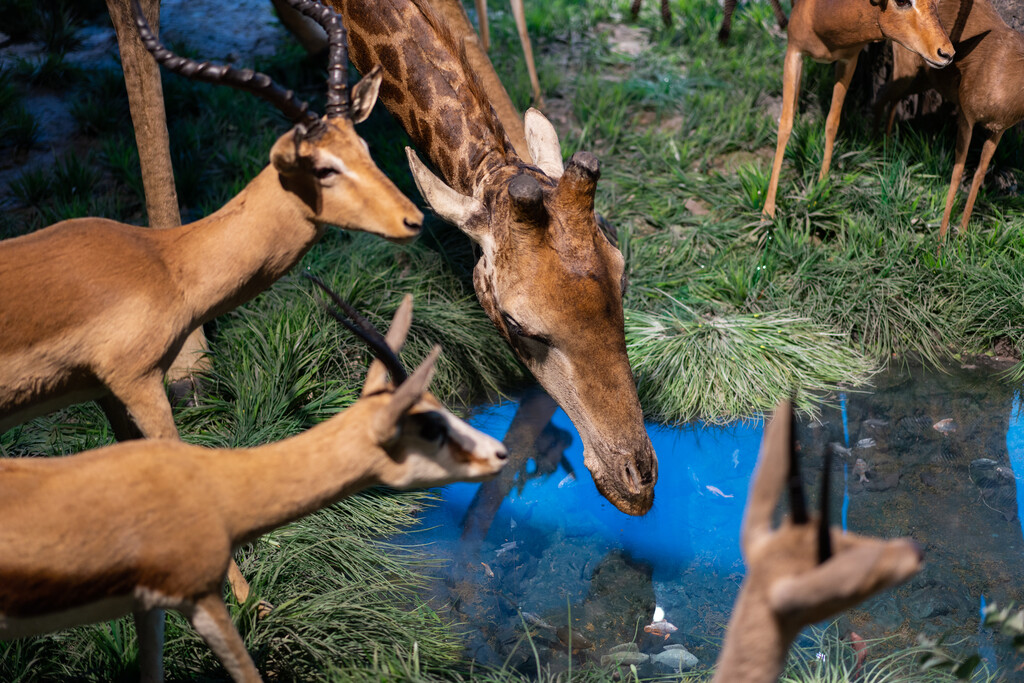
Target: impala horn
(261, 84)
(364, 329)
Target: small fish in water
(875, 423)
(487, 570)
(511, 523)
(660, 628)
(860, 650)
(505, 547)
(840, 449)
(860, 468)
(718, 492)
(945, 426)
(866, 443)
(573, 639)
(569, 480)
(736, 458)
(535, 620)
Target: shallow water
(558, 552)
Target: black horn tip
(824, 530)
(525, 190)
(587, 163)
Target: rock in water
(945, 426)
(674, 659)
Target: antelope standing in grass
(836, 31)
(96, 309)
(985, 80)
(547, 277)
(145, 526)
(802, 572)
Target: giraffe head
(552, 284)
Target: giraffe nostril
(501, 454)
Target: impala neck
(272, 485)
(428, 86)
(844, 24)
(251, 242)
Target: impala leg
(791, 72)
(519, 13)
(964, 129)
(485, 30)
(987, 150)
(120, 421)
(844, 73)
(726, 29)
(239, 586)
(147, 406)
(780, 15)
(634, 8)
(149, 625)
(211, 620)
(666, 13)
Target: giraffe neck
(429, 87)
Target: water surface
(941, 456)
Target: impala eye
(904, 3)
(432, 427)
(326, 172)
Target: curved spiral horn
(364, 329)
(255, 82)
(338, 100)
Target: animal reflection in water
(530, 438)
(601, 597)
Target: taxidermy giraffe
(547, 277)
(314, 40)
(985, 81)
(145, 526)
(146, 104)
(801, 572)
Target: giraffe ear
(542, 141)
(364, 95)
(457, 209)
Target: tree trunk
(146, 102)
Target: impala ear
(542, 141)
(769, 476)
(405, 397)
(364, 95)
(284, 155)
(376, 376)
(457, 209)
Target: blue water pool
(936, 456)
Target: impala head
(421, 442)
(322, 161)
(808, 570)
(552, 284)
(915, 25)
